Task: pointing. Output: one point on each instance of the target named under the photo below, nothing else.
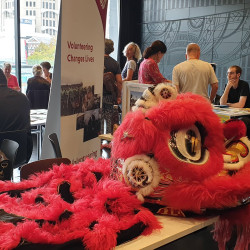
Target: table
(173, 228)
(228, 113)
(38, 119)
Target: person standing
(236, 92)
(112, 86)
(12, 80)
(133, 55)
(195, 75)
(38, 89)
(149, 72)
(46, 74)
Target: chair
(24, 139)
(55, 143)
(216, 100)
(41, 165)
(9, 148)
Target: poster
(80, 80)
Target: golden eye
(188, 142)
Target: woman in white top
(133, 54)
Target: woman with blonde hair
(133, 54)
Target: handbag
(5, 167)
(109, 85)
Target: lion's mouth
(237, 153)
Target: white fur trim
(141, 173)
(161, 86)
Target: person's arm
(240, 104)
(28, 87)
(213, 91)
(129, 77)
(175, 80)
(224, 97)
(16, 87)
(118, 78)
(156, 74)
(131, 67)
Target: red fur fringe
(236, 221)
(107, 202)
(234, 128)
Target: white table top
(38, 117)
(173, 229)
(233, 112)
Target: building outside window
(37, 34)
(33, 37)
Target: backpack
(109, 85)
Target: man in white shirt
(195, 75)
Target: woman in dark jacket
(38, 89)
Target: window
(30, 4)
(50, 5)
(112, 24)
(34, 4)
(47, 23)
(54, 24)
(27, 3)
(30, 12)
(27, 12)
(34, 12)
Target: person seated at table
(149, 72)
(14, 111)
(12, 80)
(38, 89)
(236, 92)
(133, 54)
(46, 74)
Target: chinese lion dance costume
(178, 158)
(171, 155)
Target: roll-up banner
(81, 57)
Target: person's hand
(231, 83)
(119, 100)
